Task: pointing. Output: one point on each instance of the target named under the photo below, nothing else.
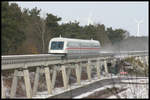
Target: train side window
(73, 44)
(95, 45)
(68, 44)
(55, 45)
(85, 44)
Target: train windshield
(55, 45)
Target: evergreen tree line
(24, 31)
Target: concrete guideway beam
(64, 67)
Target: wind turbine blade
(141, 21)
(136, 20)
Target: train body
(74, 47)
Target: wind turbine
(89, 19)
(138, 26)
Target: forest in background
(24, 31)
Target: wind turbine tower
(89, 19)
(138, 27)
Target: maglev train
(74, 47)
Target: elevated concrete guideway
(47, 64)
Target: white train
(74, 47)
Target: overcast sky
(111, 14)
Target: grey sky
(111, 14)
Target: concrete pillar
(140, 58)
(146, 59)
(68, 74)
(80, 70)
(54, 77)
(80, 67)
(36, 80)
(89, 70)
(3, 89)
(105, 66)
(98, 68)
(64, 75)
(78, 74)
(114, 61)
(27, 83)
(136, 57)
(48, 80)
(14, 84)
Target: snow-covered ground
(95, 79)
(73, 86)
(136, 81)
(99, 89)
(135, 90)
(132, 91)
